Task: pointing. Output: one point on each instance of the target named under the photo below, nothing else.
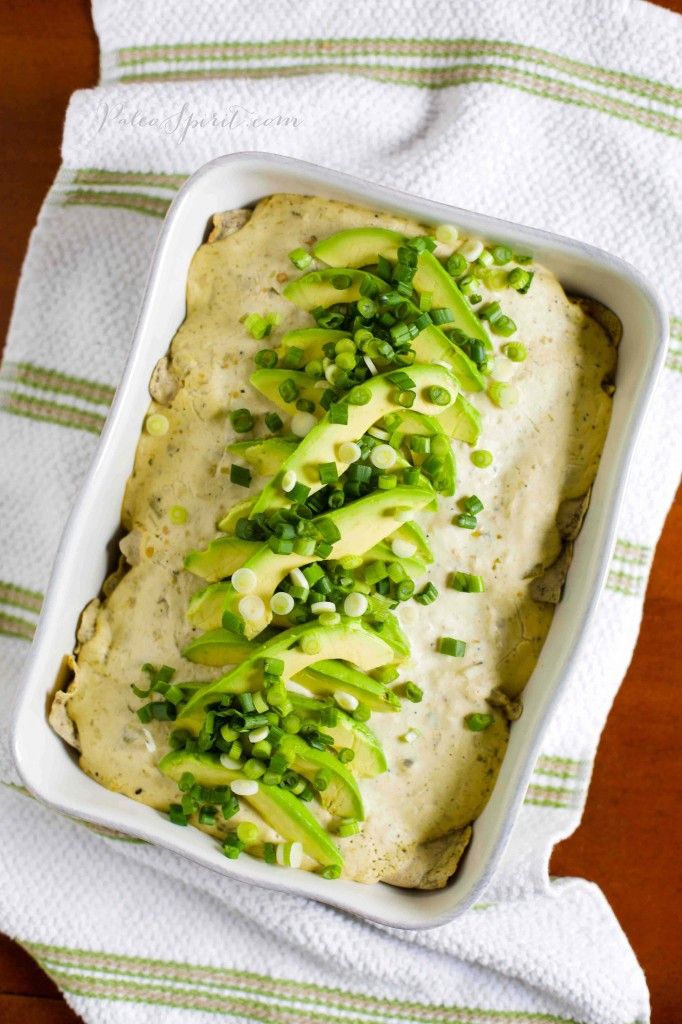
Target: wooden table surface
(629, 840)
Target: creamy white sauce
(546, 449)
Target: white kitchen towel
(564, 115)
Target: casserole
(237, 181)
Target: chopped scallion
(361, 713)
(472, 504)
(448, 645)
(502, 394)
(520, 279)
(503, 325)
(348, 827)
(293, 358)
(438, 395)
(359, 396)
(288, 390)
(240, 475)
(321, 780)
(328, 473)
(466, 583)
(482, 458)
(242, 420)
(401, 380)
(257, 325)
(273, 422)
(406, 399)
(478, 721)
(426, 596)
(413, 692)
(457, 264)
(502, 254)
(177, 815)
(404, 590)
(516, 351)
(248, 832)
(300, 258)
(338, 413)
(266, 358)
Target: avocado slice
(329, 677)
(267, 382)
(412, 422)
(218, 647)
(413, 534)
(432, 277)
(462, 421)
(311, 340)
(206, 606)
(432, 345)
(383, 552)
(393, 635)
(316, 288)
(359, 247)
(362, 246)
(346, 640)
(282, 811)
(369, 759)
(265, 454)
(241, 510)
(221, 558)
(323, 441)
(361, 524)
(342, 796)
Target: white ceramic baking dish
(50, 770)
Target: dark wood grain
(32, 1010)
(629, 840)
(19, 975)
(39, 73)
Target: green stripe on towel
(632, 546)
(20, 597)
(622, 581)
(15, 627)
(405, 48)
(244, 994)
(441, 78)
(552, 796)
(560, 767)
(153, 206)
(44, 411)
(674, 357)
(625, 583)
(632, 554)
(44, 379)
(102, 176)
